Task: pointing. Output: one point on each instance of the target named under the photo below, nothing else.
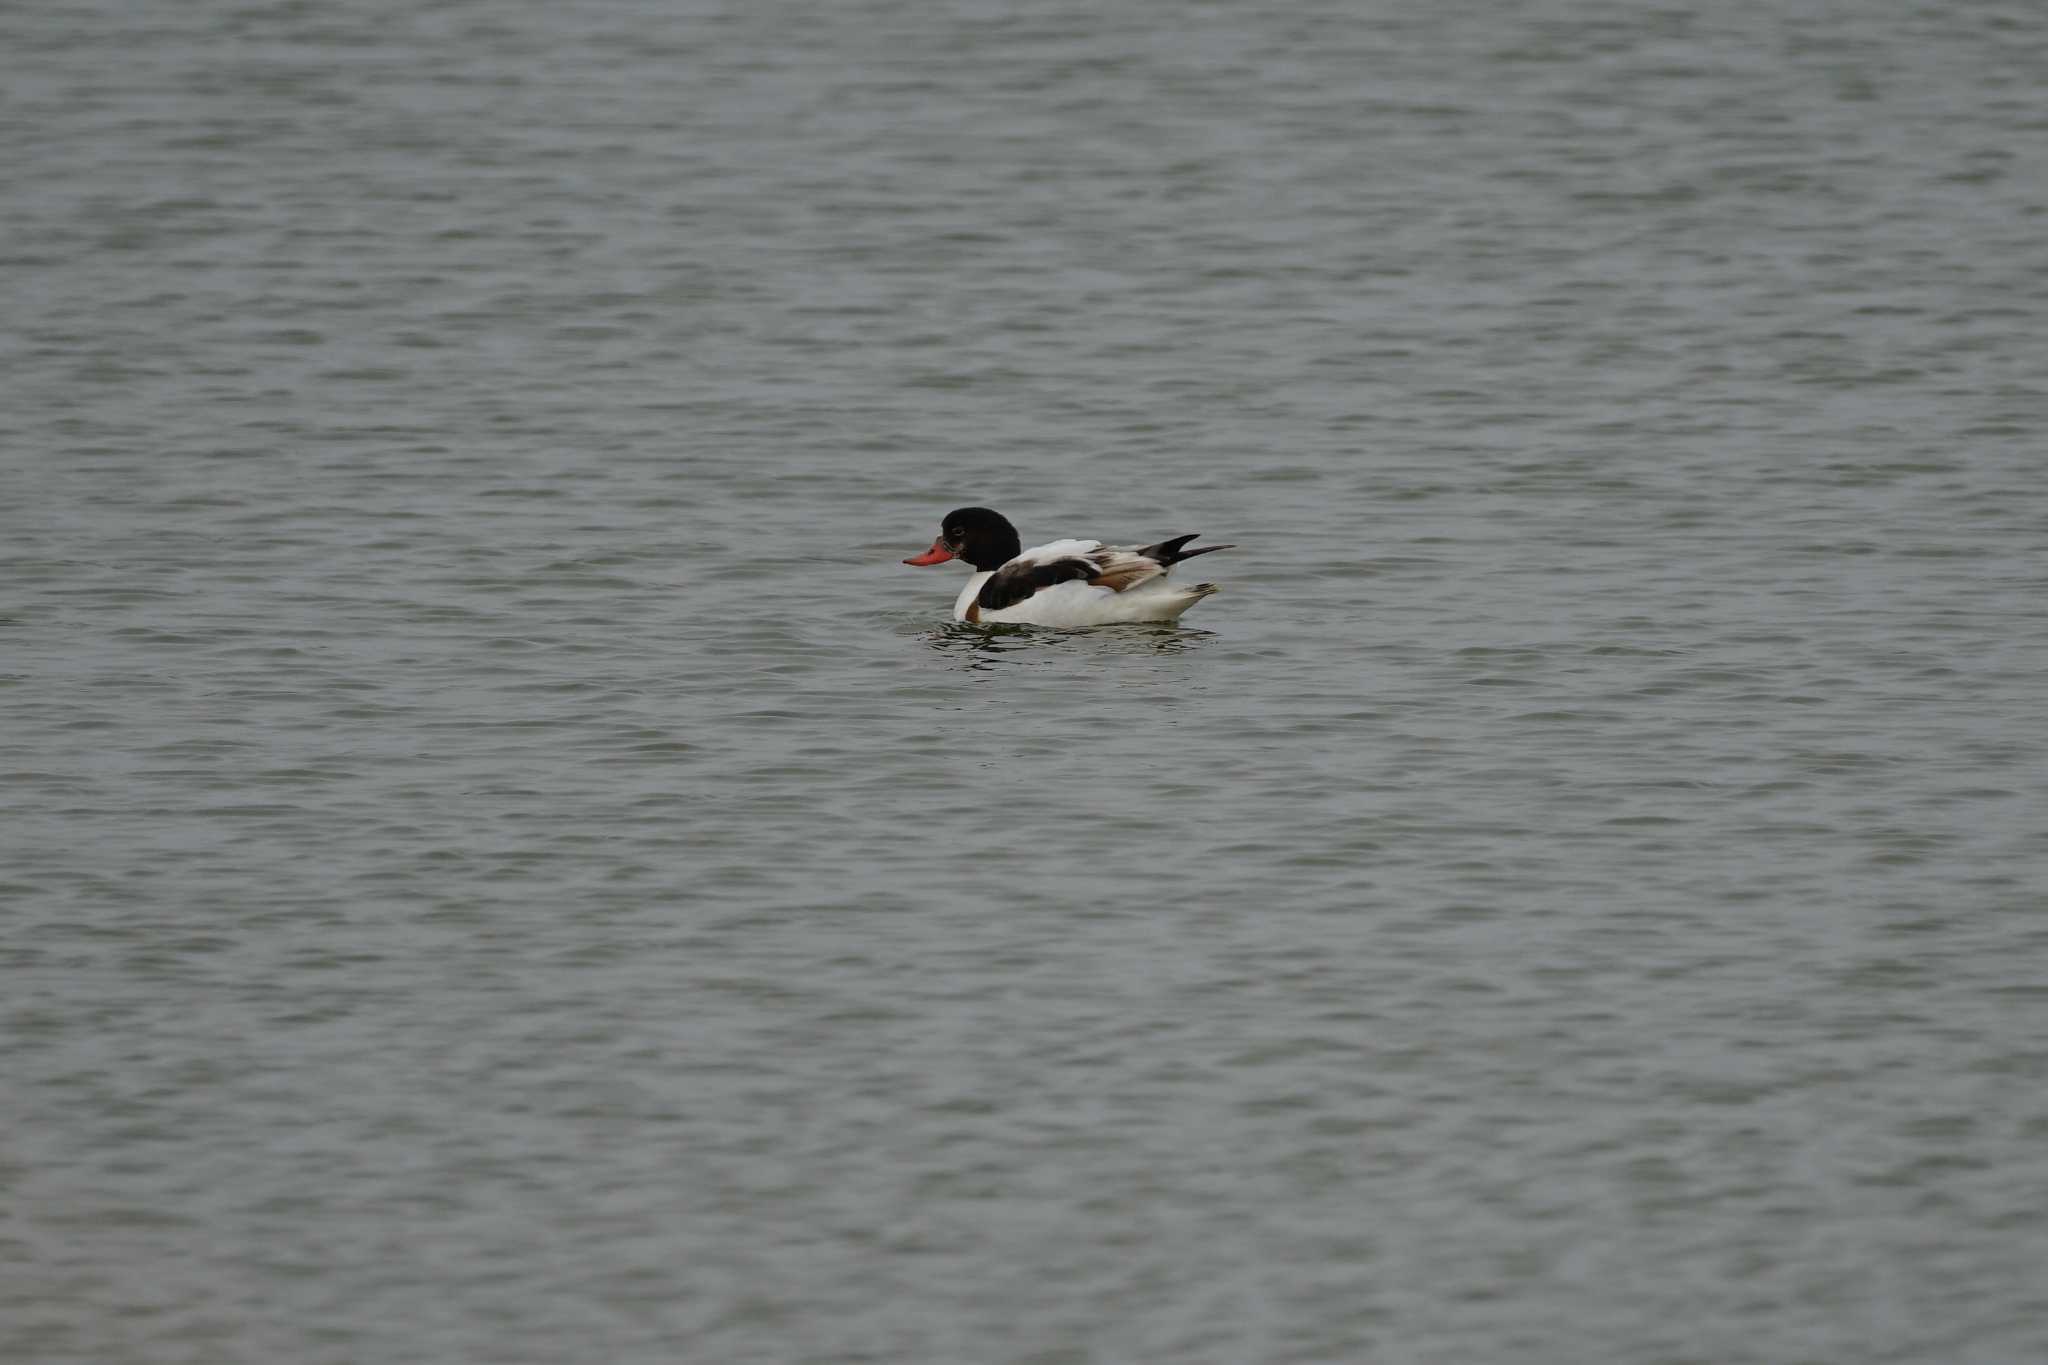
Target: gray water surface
(502, 864)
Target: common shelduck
(1067, 583)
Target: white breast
(967, 595)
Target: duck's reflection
(983, 648)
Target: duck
(1067, 584)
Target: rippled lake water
(501, 862)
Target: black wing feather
(1172, 552)
(1014, 582)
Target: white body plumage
(1147, 595)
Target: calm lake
(499, 861)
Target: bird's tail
(1172, 552)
